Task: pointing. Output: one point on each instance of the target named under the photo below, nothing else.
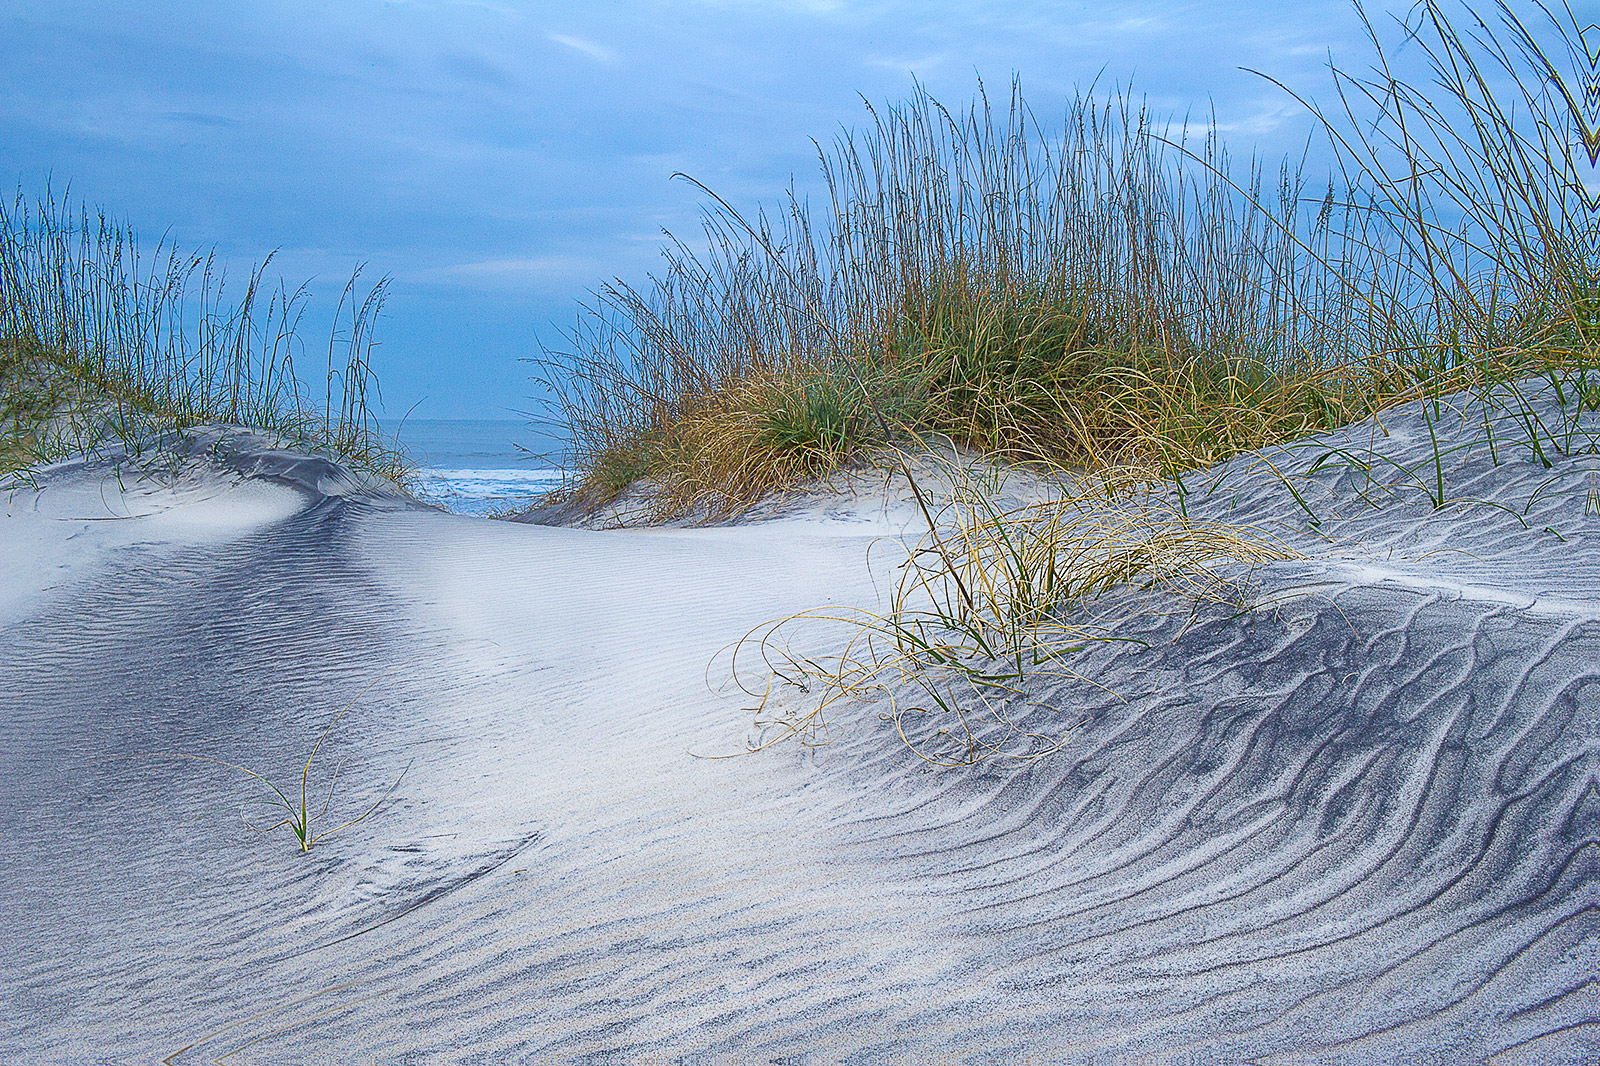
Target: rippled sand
(1361, 825)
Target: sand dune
(1359, 825)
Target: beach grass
(991, 597)
(1113, 287)
(1113, 297)
(300, 816)
(105, 343)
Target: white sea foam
(478, 491)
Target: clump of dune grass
(1071, 294)
(32, 390)
(987, 279)
(994, 595)
(1113, 287)
(300, 817)
(765, 434)
(1118, 297)
(105, 343)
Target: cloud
(588, 48)
(476, 69)
(201, 118)
(916, 65)
(1306, 50)
(804, 7)
(511, 271)
(1264, 119)
(1137, 23)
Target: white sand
(1359, 827)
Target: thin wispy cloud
(1267, 118)
(511, 270)
(806, 7)
(588, 48)
(917, 65)
(476, 69)
(1306, 50)
(202, 118)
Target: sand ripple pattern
(1361, 825)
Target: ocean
(479, 466)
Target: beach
(480, 466)
(1355, 824)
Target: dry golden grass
(760, 437)
(993, 596)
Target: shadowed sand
(1358, 825)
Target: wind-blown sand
(1361, 825)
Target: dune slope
(1359, 823)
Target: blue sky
(499, 160)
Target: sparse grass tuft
(299, 816)
(983, 604)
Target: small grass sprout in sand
(1002, 598)
(299, 817)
